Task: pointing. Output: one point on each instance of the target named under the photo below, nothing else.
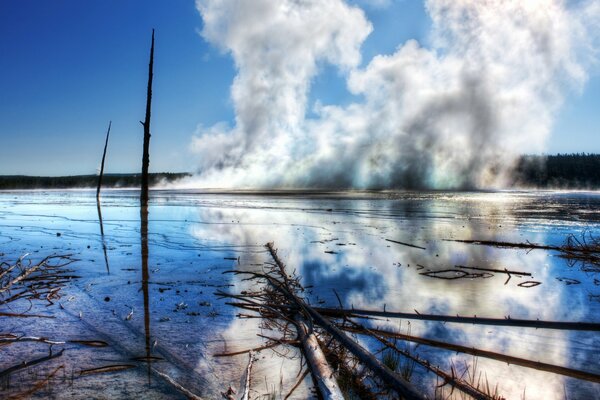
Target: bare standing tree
(146, 124)
(102, 163)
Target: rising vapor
(454, 114)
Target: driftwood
(14, 339)
(402, 386)
(102, 163)
(587, 376)
(23, 315)
(500, 271)
(146, 124)
(575, 326)
(450, 379)
(585, 249)
(27, 364)
(298, 382)
(317, 362)
(106, 368)
(282, 303)
(28, 271)
(509, 245)
(247, 378)
(406, 244)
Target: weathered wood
(399, 384)
(500, 271)
(319, 367)
(406, 244)
(556, 369)
(248, 378)
(572, 326)
(509, 245)
(23, 275)
(27, 364)
(102, 163)
(451, 379)
(146, 124)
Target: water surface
(146, 283)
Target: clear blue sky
(67, 67)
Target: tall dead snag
(146, 124)
(102, 163)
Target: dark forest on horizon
(560, 171)
(10, 182)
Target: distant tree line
(8, 182)
(561, 171)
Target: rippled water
(164, 306)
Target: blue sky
(67, 67)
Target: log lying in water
(402, 386)
(561, 325)
(510, 245)
(319, 366)
(574, 373)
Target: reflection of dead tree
(104, 247)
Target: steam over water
(454, 112)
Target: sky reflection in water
(333, 241)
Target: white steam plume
(453, 115)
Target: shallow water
(164, 306)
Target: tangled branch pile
(25, 280)
(340, 366)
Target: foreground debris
(333, 355)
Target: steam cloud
(454, 114)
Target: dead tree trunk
(102, 163)
(321, 371)
(146, 124)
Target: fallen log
(574, 373)
(448, 379)
(396, 382)
(538, 324)
(406, 244)
(494, 243)
(319, 367)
